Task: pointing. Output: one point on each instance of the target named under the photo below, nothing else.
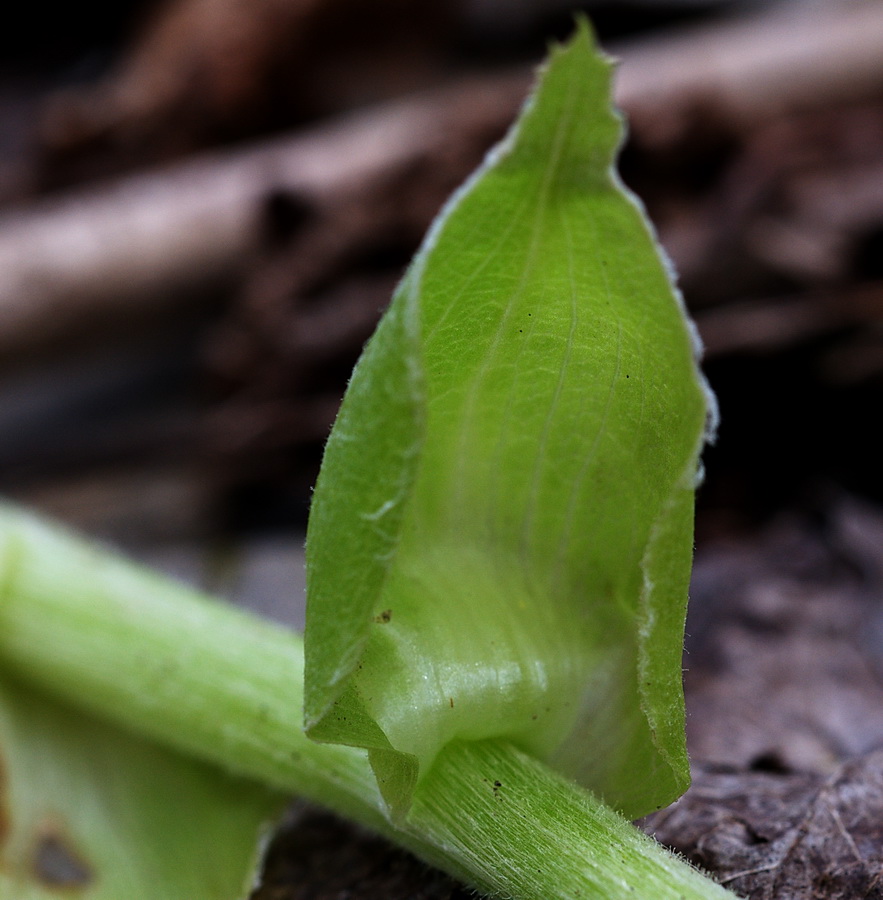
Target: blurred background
(205, 206)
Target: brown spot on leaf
(57, 863)
(383, 617)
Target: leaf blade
(560, 418)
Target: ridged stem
(175, 666)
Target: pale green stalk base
(200, 676)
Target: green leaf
(90, 812)
(501, 534)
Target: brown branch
(69, 266)
(145, 242)
(753, 69)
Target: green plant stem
(195, 674)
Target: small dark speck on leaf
(452, 702)
(58, 865)
(384, 617)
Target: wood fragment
(147, 242)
